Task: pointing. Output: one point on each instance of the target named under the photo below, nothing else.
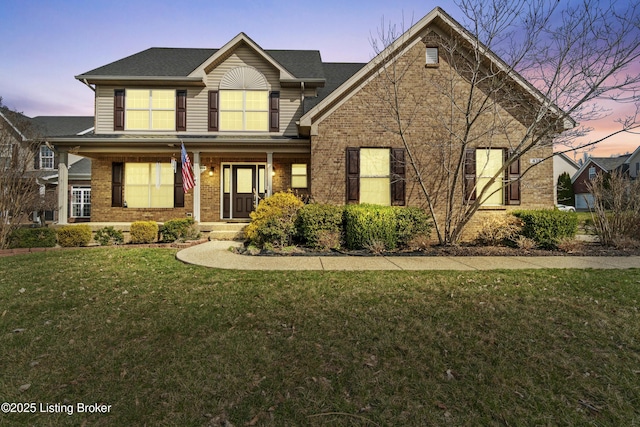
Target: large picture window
(150, 109)
(244, 110)
(148, 185)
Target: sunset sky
(47, 43)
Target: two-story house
(255, 121)
(27, 137)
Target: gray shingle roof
(610, 163)
(335, 74)
(180, 62)
(80, 169)
(62, 125)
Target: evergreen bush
(179, 229)
(548, 227)
(320, 225)
(74, 235)
(41, 237)
(144, 231)
(109, 236)
(274, 221)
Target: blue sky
(46, 43)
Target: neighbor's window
(244, 110)
(375, 176)
(46, 157)
(148, 185)
(81, 202)
(299, 175)
(6, 152)
(150, 109)
(488, 163)
(592, 172)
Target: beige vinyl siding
(197, 97)
(104, 109)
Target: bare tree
(523, 75)
(20, 193)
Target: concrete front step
(227, 231)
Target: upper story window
(150, 109)
(244, 100)
(592, 172)
(46, 158)
(244, 110)
(6, 153)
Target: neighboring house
(257, 121)
(562, 164)
(633, 163)
(590, 169)
(45, 159)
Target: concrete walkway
(216, 254)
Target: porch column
(63, 188)
(196, 189)
(269, 183)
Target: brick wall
(361, 121)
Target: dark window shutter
(117, 180)
(353, 175)
(118, 109)
(274, 112)
(36, 159)
(398, 177)
(56, 160)
(178, 191)
(213, 110)
(513, 181)
(470, 174)
(181, 110)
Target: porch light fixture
(210, 170)
(273, 171)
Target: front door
(244, 185)
(244, 190)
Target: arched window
(244, 100)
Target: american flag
(187, 172)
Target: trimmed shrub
(144, 231)
(366, 225)
(320, 226)
(274, 221)
(41, 237)
(179, 229)
(411, 224)
(109, 236)
(548, 227)
(74, 235)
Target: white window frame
(47, 157)
(244, 110)
(482, 173)
(151, 183)
(300, 167)
(592, 172)
(84, 203)
(150, 109)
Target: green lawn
(170, 344)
